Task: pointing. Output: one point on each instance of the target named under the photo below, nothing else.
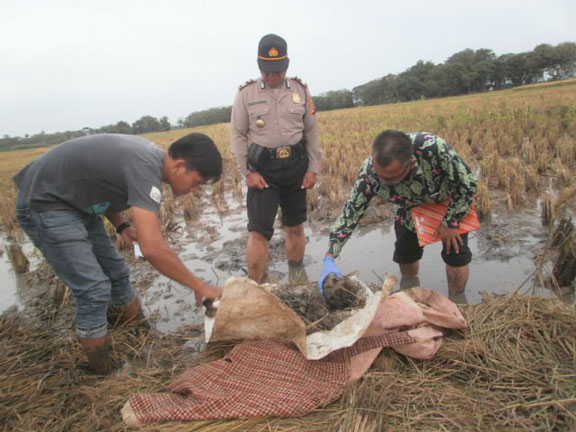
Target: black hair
(200, 154)
(392, 145)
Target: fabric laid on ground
(424, 312)
(273, 378)
(257, 378)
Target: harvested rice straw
(513, 369)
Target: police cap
(272, 54)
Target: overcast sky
(69, 64)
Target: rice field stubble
(522, 143)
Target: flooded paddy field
(512, 369)
(491, 361)
(506, 253)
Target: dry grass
(494, 376)
(539, 86)
(557, 211)
(514, 369)
(520, 142)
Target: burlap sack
(249, 311)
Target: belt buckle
(283, 152)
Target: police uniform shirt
(274, 118)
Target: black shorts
(407, 250)
(284, 178)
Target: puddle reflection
(501, 264)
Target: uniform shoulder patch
(309, 101)
(299, 80)
(246, 84)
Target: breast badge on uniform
(309, 101)
(296, 98)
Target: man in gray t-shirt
(62, 196)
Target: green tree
(499, 79)
(563, 61)
(334, 99)
(121, 127)
(470, 71)
(414, 83)
(209, 116)
(438, 81)
(165, 124)
(7, 142)
(146, 124)
(541, 58)
(517, 69)
(376, 92)
(485, 69)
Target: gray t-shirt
(97, 174)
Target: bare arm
(116, 219)
(159, 253)
(128, 234)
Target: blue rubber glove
(328, 269)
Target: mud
(323, 312)
(343, 293)
(506, 251)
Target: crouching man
(62, 196)
(409, 170)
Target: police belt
(258, 154)
(286, 152)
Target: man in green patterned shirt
(409, 170)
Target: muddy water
(214, 248)
(10, 283)
(14, 291)
(504, 252)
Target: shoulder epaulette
(246, 84)
(300, 81)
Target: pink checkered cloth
(257, 378)
(267, 378)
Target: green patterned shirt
(440, 174)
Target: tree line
(467, 71)
(471, 71)
(143, 125)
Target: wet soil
(342, 296)
(506, 251)
(343, 293)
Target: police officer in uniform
(276, 144)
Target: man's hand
(309, 180)
(256, 181)
(158, 252)
(129, 236)
(451, 238)
(328, 269)
(208, 291)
